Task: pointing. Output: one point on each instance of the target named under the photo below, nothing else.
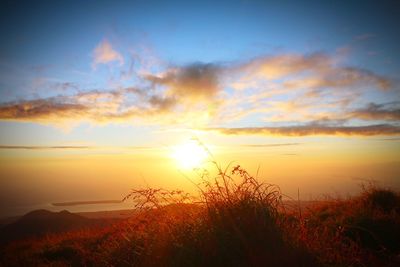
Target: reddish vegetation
(237, 221)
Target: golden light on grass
(189, 155)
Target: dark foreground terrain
(242, 223)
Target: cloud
(297, 87)
(271, 145)
(194, 82)
(390, 139)
(311, 130)
(365, 36)
(278, 66)
(312, 71)
(388, 111)
(120, 105)
(104, 53)
(41, 109)
(285, 89)
(69, 147)
(163, 104)
(92, 105)
(43, 147)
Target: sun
(189, 155)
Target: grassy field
(235, 221)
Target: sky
(95, 97)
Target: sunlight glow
(189, 155)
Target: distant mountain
(40, 222)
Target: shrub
(237, 223)
(382, 199)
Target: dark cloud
(163, 104)
(284, 87)
(93, 105)
(305, 130)
(41, 109)
(194, 81)
(387, 111)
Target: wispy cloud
(389, 139)
(364, 36)
(71, 147)
(283, 89)
(386, 111)
(41, 109)
(92, 105)
(104, 53)
(306, 130)
(313, 71)
(271, 145)
(122, 105)
(43, 147)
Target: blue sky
(49, 50)
(45, 33)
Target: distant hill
(40, 222)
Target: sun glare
(189, 155)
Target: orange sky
(312, 165)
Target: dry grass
(234, 221)
(360, 231)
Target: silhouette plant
(237, 222)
